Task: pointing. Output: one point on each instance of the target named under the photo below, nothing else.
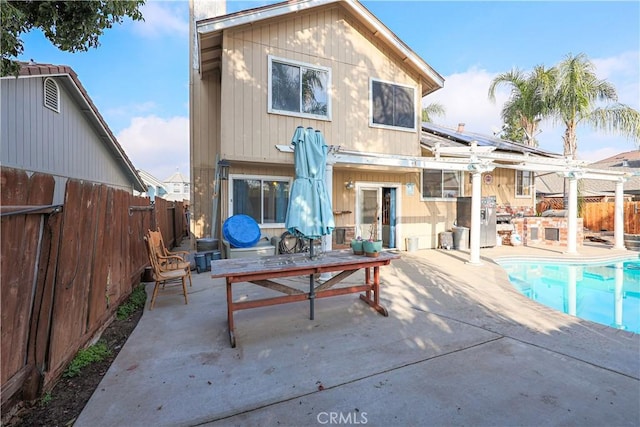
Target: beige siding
(204, 144)
(503, 187)
(329, 38)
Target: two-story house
(258, 74)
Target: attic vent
(51, 95)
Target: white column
(474, 241)
(572, 215)
(618, 217)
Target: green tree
(576, 98)
(528, 103)
(70, 25)
(511, 130)
(432, 110)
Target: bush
(136, 300)
(86, 356)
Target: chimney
(460, 128)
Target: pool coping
(566, 259)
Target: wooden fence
(65, 269)
(599, 216)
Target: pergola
(480, 159)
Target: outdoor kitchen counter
(261, 271)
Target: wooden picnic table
(261, 271)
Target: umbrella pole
(312, 292)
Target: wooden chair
(163, 275)
(169, 260)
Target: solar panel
(484, 140)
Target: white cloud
(156, 145)
(163, 18)
(623, 71)
(131, 109)
(465, 100)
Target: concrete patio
(460, 347)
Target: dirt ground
(70, 395)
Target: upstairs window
(524, 183)
(51, 95)
(440, 184)
(299, 89)
(393, 105)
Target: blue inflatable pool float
(241, 231)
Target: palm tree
(577, 92)
(312, 81)
(431, 110)
(529, 101)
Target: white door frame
(379, 186)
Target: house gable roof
(80, 95)
(177, 178)
(210, 34)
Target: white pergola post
(474, 240)
(618, 217)
(572, 220)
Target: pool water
(606, 293)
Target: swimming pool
(606, 292)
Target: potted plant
(373, 246)
(356, 245)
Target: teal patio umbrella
(309, 213)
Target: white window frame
(294, 63)
(45, 82)
(442, 199)
(378, 125)
(530, 186)
(287, 179)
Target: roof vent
(51, 95)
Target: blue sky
(139, 76)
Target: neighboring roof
(81, 96)
(177, 177)
(432, 134)
(210, 34)
(551, 183)
(628, 161)
(150, 179)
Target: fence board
(19, 251)
(601, 216)
(99, 287)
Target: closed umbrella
(309, 213)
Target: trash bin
(412, 244)
(201, 263)
(460, 238)
(446, 240)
